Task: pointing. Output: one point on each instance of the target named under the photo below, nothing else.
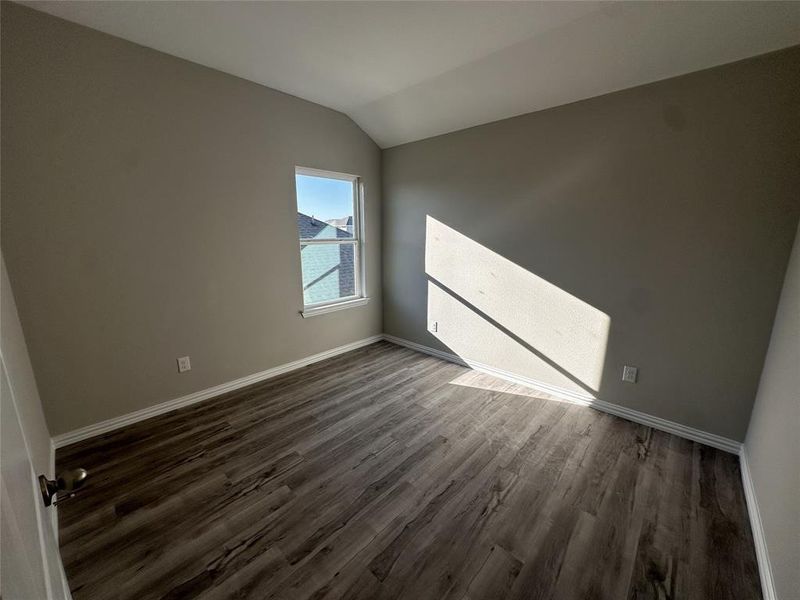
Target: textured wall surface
(649, 227)
(149, 213)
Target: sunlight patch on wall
(490, 310)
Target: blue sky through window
(324, 198)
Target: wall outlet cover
(184, 364)
(630, 374)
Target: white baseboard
(759, 539)
(77, 435)
(584, 399)
(425, 349)
(690, 433)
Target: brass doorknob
(68, 481)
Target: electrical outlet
(184, 364)
(435, 326)
(630, 374)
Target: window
(329, 225)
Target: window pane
(324, 207)
(328, 272)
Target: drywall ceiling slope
(410, 70)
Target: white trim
(728, 445)
(757, 527)
(328, 241)
(311, 172)
(42, 519)
(360, 227)
(356, 240)
(321, 309)
(62, 575)
(425, 349)
(77, 435)
(584, 399)
(52, 475)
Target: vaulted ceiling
(410, 70)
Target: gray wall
(148, 213)
(668, 210)
(772, 446)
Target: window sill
(327, 308)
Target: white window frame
(359, 298)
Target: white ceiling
(410, 70)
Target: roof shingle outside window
(328, 269)
(311, 228)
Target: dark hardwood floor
(384, 473)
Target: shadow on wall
(490, 311)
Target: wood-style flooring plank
(387, 474)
